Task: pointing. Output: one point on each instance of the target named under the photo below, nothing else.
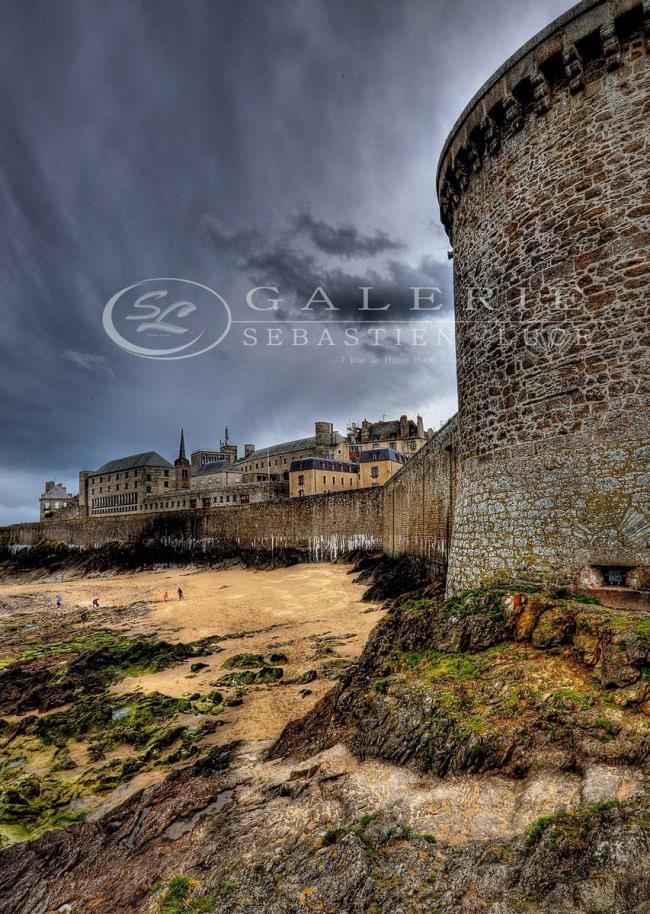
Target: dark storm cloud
(130, 126)
(307, 282)
(344, 240)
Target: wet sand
(312, 614)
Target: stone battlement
(563, 59)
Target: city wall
(419, 501)
(324, 526)
(412, 513)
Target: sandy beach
(306, 621)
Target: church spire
(181, 460)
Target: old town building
(318, 476)
(403, 435)
(378, 465)
(55, 498)
(273, 463)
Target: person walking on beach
(59, 601)
(95, 603)
(165, 596)
(180, 594)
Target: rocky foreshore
(487, 754)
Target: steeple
(181, 460)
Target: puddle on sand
(181, 827)
(120, 713)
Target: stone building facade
(403, 435)
(272, 464)
(379, 465)
(320, 475)
(56, 498)
(209, 495)
(121, 486)
(544, 191)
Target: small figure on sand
(180, 593)
(95, 602)
(165, 596)
(84, 615)
(59, 601)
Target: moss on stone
(267, 674)
(244, 661)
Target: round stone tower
(544, 189)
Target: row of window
(95, 480)
(179, 503)
(115, 501)
(126, 474)
(121, 510)
(206, 502)
(126, 486)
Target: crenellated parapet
(590, 42)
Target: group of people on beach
(84, 614)
(179, 592)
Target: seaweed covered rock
(491, 679)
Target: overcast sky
(233, 143)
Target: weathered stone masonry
(324, 526)
(544, 187)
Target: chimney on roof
(49, 485)
(324, 432)
(420, 427)
(248, 449)
(403, 427)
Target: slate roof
(300, 444)
(146, 459)
(383, 453)
(323, 463)
(57, 492)
(217, 466)
(390, 429)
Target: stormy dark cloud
(344, 240)
(229, 142)
(307, 282)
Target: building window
(148, 477)
(166, 484)
(413, 444)
(374, 472)
(301, 493)
(301, 480)
(148, 488)
(324, 480)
